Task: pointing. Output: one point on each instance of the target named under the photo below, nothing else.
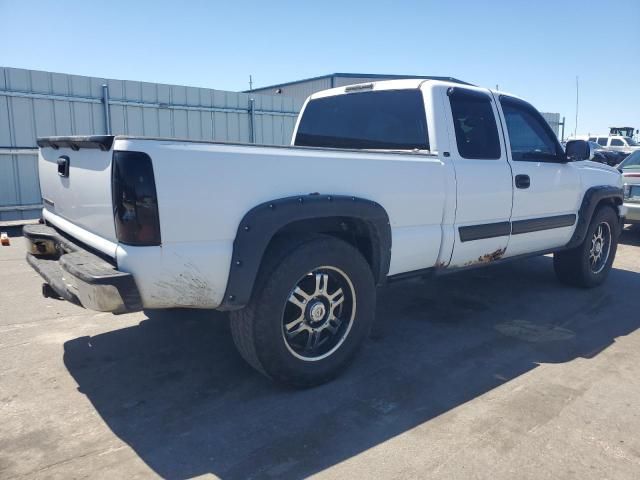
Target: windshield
(631, 142)
(595, 146)
(632, 162)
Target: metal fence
(35, 104)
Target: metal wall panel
(344, 81)
(553, 119)
(299, 90)
(35, 104)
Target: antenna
(575, 131)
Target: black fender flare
(260, 224)
(592, 198)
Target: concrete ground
(498, 373)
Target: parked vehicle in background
(616, 142)
(630, 169)
(606, 156)
(383, 181)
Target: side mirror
(577, 150)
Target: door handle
(523, 181)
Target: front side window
(602, 141)
(531, 137)
(616, 142)
(373, 120)
(474, 124)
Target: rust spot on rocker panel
(488, 257)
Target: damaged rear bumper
(78, 275)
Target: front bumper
(78, 275)
(632, 214)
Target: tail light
(135, 203)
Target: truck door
(483, 176)
(547, 191)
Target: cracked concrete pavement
(495, 373)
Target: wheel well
(362, 223)
(355, 231)
(594, 198)
(609, 201)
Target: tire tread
(570, 266)
(248, 324)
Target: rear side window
(602, 141)
(474, 124)
(385, 120)
(616, 142)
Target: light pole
(575, 131)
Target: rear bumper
(78, 275)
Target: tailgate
(75, 180)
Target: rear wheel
(589, 264)
(312, 307)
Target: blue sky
(533, 49)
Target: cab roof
(401, 84)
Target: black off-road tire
(257, 329)
(573, 266)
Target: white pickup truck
(382, 181)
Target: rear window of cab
(372, 120)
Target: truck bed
(205, 188)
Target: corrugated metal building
(36, 103)
(301, 89)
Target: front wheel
(588, 264)
(312, 307)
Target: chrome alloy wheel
(600, 248)
(319, 313)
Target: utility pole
(250, 83)
(575, 131)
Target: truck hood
(595, 173)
